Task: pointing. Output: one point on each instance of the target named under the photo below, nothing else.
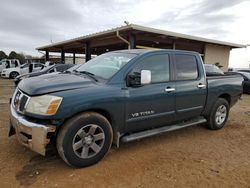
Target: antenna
(126, 22)
(51, 39)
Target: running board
(152, 132)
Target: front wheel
(84, 139)
(14, 75)
(219, 114)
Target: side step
(152, 132)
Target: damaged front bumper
(31, 135)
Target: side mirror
(139, 78)
(145, 77)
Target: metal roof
(144, 29)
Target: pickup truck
(117, 97)
(9, 63)
(23, 69)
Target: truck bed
(226, 85)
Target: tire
(81, 131)
(14, 74)
(219, 114)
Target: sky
(28, 24)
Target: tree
(20, 57)
(13, 55)
(3, 55)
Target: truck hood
(49, 83)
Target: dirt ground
(192, 157)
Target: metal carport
(135, 36)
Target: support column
(174, 46)
(87, 51)
(132, 41)
(74, 58)
(62, 56)
(47, 55)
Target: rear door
(190, 83)
(151, 105)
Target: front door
(24, 69)
(151, 105)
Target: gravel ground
(191, 157)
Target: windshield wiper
(91, 75)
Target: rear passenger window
(158, 65)
(38, 65)
(186, 67)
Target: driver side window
(158, 65)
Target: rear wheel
(218, 115)
(84, 139)
(14, 75)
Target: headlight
(44, 105)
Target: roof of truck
(143, 51)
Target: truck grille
(20, 101)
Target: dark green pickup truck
(118, 97)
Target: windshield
(24, 65)
(106, 65)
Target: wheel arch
(227, 97)
(107, 115)
(13, 72)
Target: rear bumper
(29, 134)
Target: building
(135, 36)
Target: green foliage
(13, 55)
(21, 58)
(3, 55)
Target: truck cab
(9, 63)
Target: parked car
(116, 97)
(213, 70)
(244, 70)
(238, 70)
(50, 69)
(23, 69)
(246, 81)
(9, 63)
(73, 69)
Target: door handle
(201, 85)
(169, 89)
